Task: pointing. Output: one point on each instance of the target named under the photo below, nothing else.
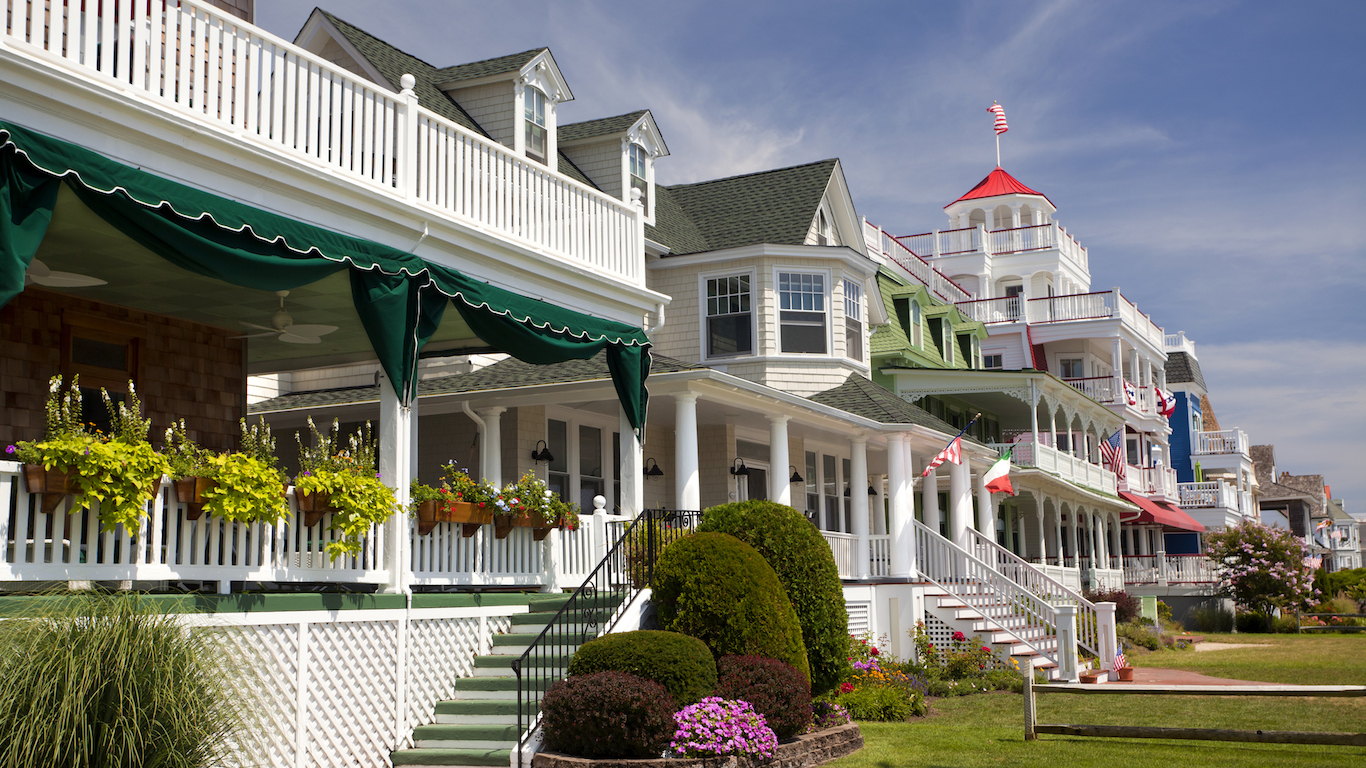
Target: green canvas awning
(399, 297)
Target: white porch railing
(1212, 494)
(842, 546)
(1065, 465)
(1151, 481)
(1177, 342)
(1003, 309)
(1092, 306)
(1098, 388)
(1169, 569)
(881, 555)
(914, 264)
(1037, 581)
(949, 242)
(1223, 441)
(238, 79)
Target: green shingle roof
(393, 64)
(603, 126)
(496, 66)
(1182, 368)
(504, 374)
(766, 207)
(862, 397)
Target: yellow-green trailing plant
(355, 490)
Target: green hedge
(682, 664)
(806, 567)
(718, 589)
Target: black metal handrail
(596, 605)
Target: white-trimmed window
(853, 320)
(992, 362)
(1072, 367)
(584, 462)
(802, 313)
(636, 156)
(730, 317)
(916, 323)
(825, 234)
(537, 138)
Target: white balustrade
(880, 555)
(842, 547)
(1223, 441)
(1214, 494)
(1173, 569)
(1065, 465)
(236, 78)
(1098, 388)
(1077, 306)
(1002, 309)
(914, 264)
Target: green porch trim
(399, 297)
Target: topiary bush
(1127, 607)
(718, 589)
(607, 714)
(777, 691)
(802, 559)
(682, 664)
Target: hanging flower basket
(470, 516)
(190, 492)
(313, 506)
(52, 484)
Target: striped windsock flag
(999, 111)
(952, 454)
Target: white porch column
(1043, 537)
(1143, 541)
(395, 467)
(1117, 363)
(879, 506)
(688, 485)
(779, 487)
(1057, 533)
(491, 452)
(858, 498)
(903, 563)
(632, 468)
(929, 498)
(986, 509)
(1075, 536)
(960, 501)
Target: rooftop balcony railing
(1177, 342)
(1003, 309)
(1221, 442)
(998, 242)
(913, 265)
(237, 79)
(1152, 481)
(1065, 465)
(1093, 306)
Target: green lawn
(987, 730)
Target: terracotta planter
(1094, 676)
(190, 492)
(1126, 674)
(502, 526)
(52, 484)
(313, 506)
(470, 516)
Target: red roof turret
(997, 183)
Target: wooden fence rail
(1034, 728)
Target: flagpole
(961, 432)
(998, 150)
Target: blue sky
(1210, 155)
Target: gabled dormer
(618, 154)
(513, 97)
(1000, 201)
(835, 222)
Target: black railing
(595, 606)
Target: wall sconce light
(541, 452)
(871, 491)
(652, 468)
(740, 471)
(846, 491)
(796, 478)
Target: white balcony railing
(70, 546)
(1177, 342)
(1152, 481)
(1003, 309)
(1092, 306)
(1221, 442)
(913, 264)
(1169, 569)
(1211, 494)
(240, 80)
(1098, 388)
(950, 242)
(1065, 465)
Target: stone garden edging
(808, 750)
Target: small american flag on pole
(1120, 661)
(1000, 113)
(1112, 450)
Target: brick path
(1156, 676)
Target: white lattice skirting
(345, 688)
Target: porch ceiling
(81, 242)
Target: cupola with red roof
(1000, 201)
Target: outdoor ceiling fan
(39, 274)
(283, 327)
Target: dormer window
(636, 156)
(537, 138)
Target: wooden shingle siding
(601, 162)
(493, 107)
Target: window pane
(853, 300)
(100, 354)
(729, 335)
(590, 452)
(804, 338)
(557, 437)
(853, 339)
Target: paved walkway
(1156, 676)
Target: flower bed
(810, 749)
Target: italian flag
(997, 478)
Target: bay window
(730, 318)
(802, 313)
(853, 320)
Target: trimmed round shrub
(806, 567)
(682, 664)
(607, 714)
(777, 691)
(718, 589)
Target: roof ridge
(755, 173)
(599, 119)
(495, 58)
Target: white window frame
(529, 97)
(917, 320)
(647, 198)
(576, 419)
(1080, 360)
(828, 295)
(986, 367)
(702, 315)
(854, 311)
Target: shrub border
(809, 750)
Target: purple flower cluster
(867, 666)
(715, 726)
(827, 714)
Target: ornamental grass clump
(777, 691)
(715, 727)
(607, 715)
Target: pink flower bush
(715, 726)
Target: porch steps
(1006, 641)
(478, 727)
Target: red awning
(1159, 513)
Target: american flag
(952, 454)
(1112, 450)
(999, 111)
(1120, 661)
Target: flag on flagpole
(1120, 661)
(1324, 523)
(1166, 401)
(1130, 392)
(952, 454)
(997, 478)
(1112, 450)
(1000, 113)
